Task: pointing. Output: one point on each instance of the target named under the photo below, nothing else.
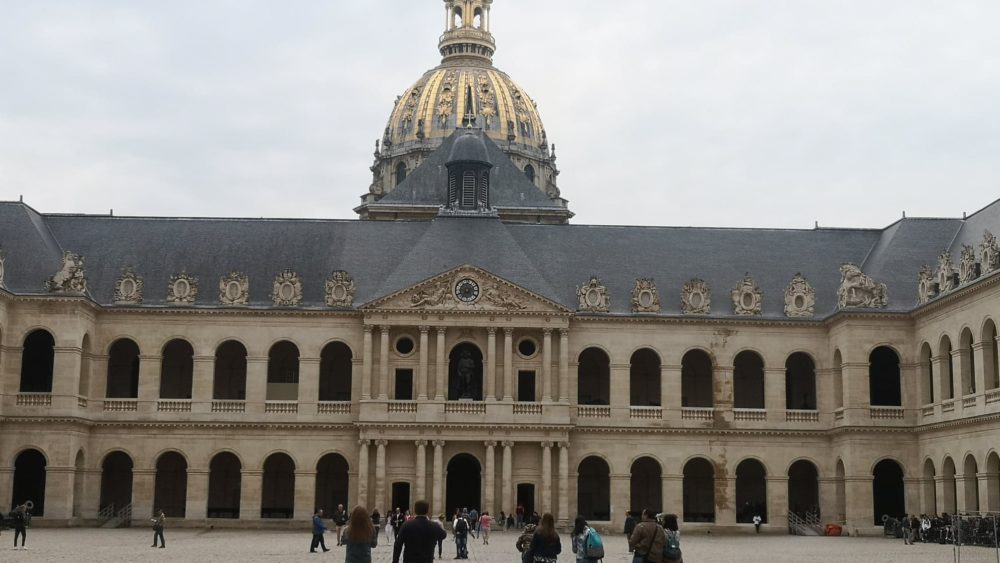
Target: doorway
(526, 498)
(401, 496)
(464, 483)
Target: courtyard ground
(86, 545)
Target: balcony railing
(463, 407)
(593, 412)
(646, 413)
(927, 411)
(281, 407)
(121, 405)
(801, 416)
(333, 407)
(173, 405)
(228, 406)
(750, 415)
(992, 396)
(527, 409)
(838, 414)
(34, 399)
(886, 413)
(402, 406)
(948, 406)
(969, 402)
(697, 413)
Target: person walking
(485, 523)
(159, 521)
(474, 523)
(417, 538)
(672, 551)
(398, 519)
(629, 528)
(545, 543)
(756, 522)
(340, 520)
(579, 538)
(648, 539)
(524, 543)
(907, 537)
(360, 536)
(460, 527)
(318, 530)
(20, 519)
(440, 523)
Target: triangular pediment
(467, 289)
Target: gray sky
(714, 112)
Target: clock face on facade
(467, 291)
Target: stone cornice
(981, 284)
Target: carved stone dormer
(128, 288)
(234, 289)
(469, 176)
(858, 291)
(645, 298)
(968, 268)
(947, 278)
(989, 252)
(183, 289)
(71, 278)
(800, 298)
(340, 290)
(926, 286)
(696, 298)
(594, 297)
(748, 299)
(287, 290)
(3, 268)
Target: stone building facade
(489, 354)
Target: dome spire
(467, 31)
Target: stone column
(564, 515)
(940, 482)
(775, 395)
(366, 365)
(777, 501)
(547, 365)
(149, 383)
(305, 495)
(383, 364)
(858, 496)
(507, 500)
(256, 386)
(6, 486)
(143, 483)
(981, 359)
(308, 385)
(203, 380)
(827, 499)
(984, 491)
(380, 499)
(939, 367)
(620, 497)
(673, 493)
(252, 484)
(66, 371)
(422, 372)
(961, 359)
(421, 462)
(442, 366)
(437, 502)
(619, 389)
(197, 494)
(508, 364)
(491, 364)
(58, 492)
(911, 494)
(490, 480)
(546, 477)
(363, 474)
(725, 504)
(722, 399)
(672, 394)
(564, 365)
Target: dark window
(400, 173)
(405, 346)
(526, 386)
(529, 171)
(37, 361)
(883, 378)
(404, 384)
(527, 347)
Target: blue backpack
(672, 547)
(593, 545)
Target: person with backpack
(21, 519)
(460, 527)
(474, 523)
(672, 550)
(523, 543)
(647, 540)
(587, 543)
(545, 545)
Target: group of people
(944, 529)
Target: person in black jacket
(545, 544)
(418, 537)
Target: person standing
(416, 539)
(340, 520)
(579, 538)
(519, 512)
(907, 538)
(545, 543)
(359, 537)
(159, 521)
(485, 523)
(756, 522)
(629, 528)
(318, 530)
(398, 519)
(20, 517)
(672, 551)
(524, 543)
(648, 539)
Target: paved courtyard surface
(86, 545)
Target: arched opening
(464, 483)
(465, 373)
(230, 378)
(991, 353)
(283, 372)
(529, 171)
(800, 382)
(646, 486)
(926, 374)
(593, 489)
(949, 504)
(79, 474)
(947, 369)
(224, 483)
(696, 380)
(456, 20)
(971, 482)
(967, 362)
(993, 482)
(803, 488)
(123, 370)
(37, 361)
(838, 380)
(699, 491)
(888, 496)
(116, 481)
(83, 388)
(748, 381)
(841, 492)
(177, 371)
(332, 483)
(29, 481)
(400, 173)
(593, 378)
(477, 19)
(883, 378)
(644, 378)
(278, 494)
(751, 491)
(335, 372)
(928, 490)
(170, 495)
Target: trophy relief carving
(287, 290)
(926, 286)
(947, 279)
(857, 290)
(340, 289)
(128, 288)
(234, 289)
(593, 297)
(182, 289)
(696, 298)
(645, 298)
(989, 252)
(748, 300)
(968, 268)
(800, 298)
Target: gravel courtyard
(84, 545)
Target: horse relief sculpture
(72, 278)
(857, 290)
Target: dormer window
(469, 173)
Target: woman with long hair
(360, 537)
(545, 544)
(579, 539)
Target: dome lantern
(467, 31)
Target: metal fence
(973, 536)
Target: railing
(402, 407)
(807, 526)
(121, 405)
(697, 413)
(750, 415)
(463, 407)
(527, 408)
(992, 396)
(593, 412)
(801, 416)
(34, 399)
(125, 516)
(927, 410)
(333, 407)
(886, 413)
(173, 405)
(105, 514)
(838, 414)
(646, 413)
(81, 402)
(948, 406)
(969, 402)
(281, 407)
(226, 406)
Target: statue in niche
(465, 382)
(466, 365)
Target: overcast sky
(709, 112)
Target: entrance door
(464, 484)
(526, 498)
(400, 496)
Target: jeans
(317, 541)
(158, 533)
(461, 544)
